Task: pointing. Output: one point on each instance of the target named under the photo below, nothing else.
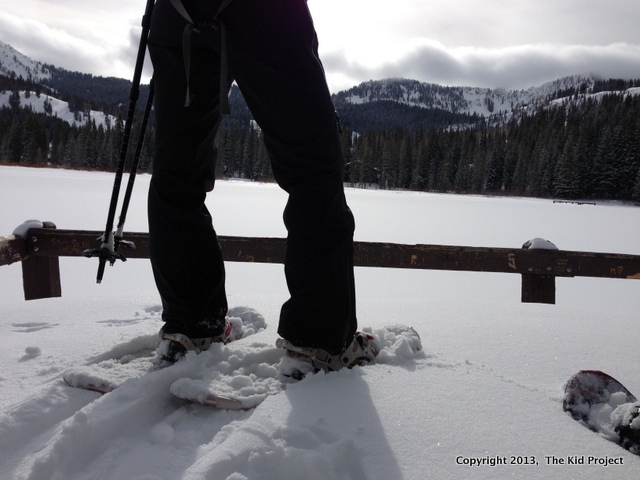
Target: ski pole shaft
(109, 246)
(135, 164)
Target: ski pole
(134, 169)
(108, 251)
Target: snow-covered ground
(489, 385)
(59, 109)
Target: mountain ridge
(15, 64)
(393, 100)
(457, 99)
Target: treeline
(31, 138)
(599, 85)
(615, 84)
(84, 91)
(587, 149)
(380, 115)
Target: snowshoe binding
(174, 346)
(299, 361)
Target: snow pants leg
(272, 55)
(185, 254)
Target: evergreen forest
(588, 150)
(585, 147)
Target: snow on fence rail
(40, 248)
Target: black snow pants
(272, 56)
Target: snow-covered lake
(489, 385)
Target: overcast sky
(486, 43)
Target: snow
(21, 230)
(59, 109)
(488, 388)
(597, 97)
(539, 244)
(469, 100)
(14, 63)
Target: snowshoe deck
(138, 357)
(604, 405)
(260, 375)
(236, 376)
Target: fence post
(538, 287)
(40, 274)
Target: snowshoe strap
(190, 344)
(216, 24)
(320, 358)
(362, 350)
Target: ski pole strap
(186, 51)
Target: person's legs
(272, 49)
(184, 250)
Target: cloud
(517, 67)
(515, 44)
(62, 49)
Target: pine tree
(435, 160)
(602, 178)
(405, 165)
(496, 167)
(451, 162)
(34, 141)
(420, 171)
(567, 173)
(15, 142)
(14, 101)
(479, 162)
(464, 174)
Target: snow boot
(174, 346)
(302, 360)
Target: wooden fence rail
(40, 249)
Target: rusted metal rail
(40, 249)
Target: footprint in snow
(30, 327)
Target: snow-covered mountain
(466, 100)
(57, 108)
(495, 106)
(466, 104)
(14, 64)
